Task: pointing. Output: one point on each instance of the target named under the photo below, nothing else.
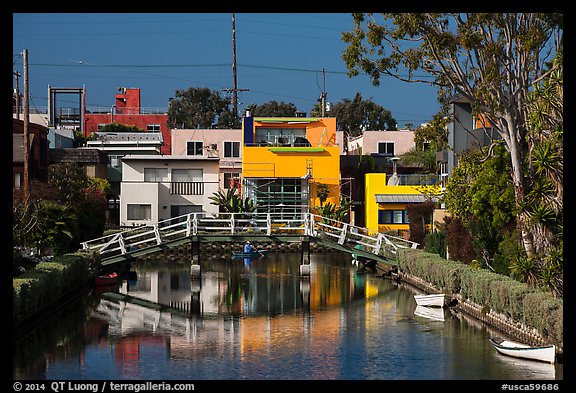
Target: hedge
(37, 289)
(516, 300)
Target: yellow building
(386, 204)
(285, 159)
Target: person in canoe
(248, 248)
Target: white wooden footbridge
(195, 228)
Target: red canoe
(106, 279)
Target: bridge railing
(247, 223)
(357, 237)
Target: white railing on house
(245, 224)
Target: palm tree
(230, 201)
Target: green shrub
(38, 288)
(492, 291)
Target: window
(115, 161)
(231, 178)
(180, 210)
(386, 148)
(187, 175)
(393, 217)
(231, 149)
(153, 127)
(156, 175)
(139, 212)
(17, 180)
(194, 148)
(278, 136)
(101, 125)
(283, 195)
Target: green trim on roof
(289, 149)
(285, 119)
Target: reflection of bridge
(195, 228)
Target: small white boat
(435, 313)
(434, 300)
(546, 353)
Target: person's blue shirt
(248, 248)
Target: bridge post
(343, 233)
(305, 293)
(195, 306)
(305, 257)
(195, 266)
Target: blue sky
(279, 56)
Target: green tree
(493, 60)
(54, 227)
(274, 109)
(69, 180)
(354, 116)
(199, 107)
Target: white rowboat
(435, 300)
(434, 313)
(545, 353)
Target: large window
(287, 196)
(180, 210)
(195, 148)
(231, 149)
(386, 148)
(156, 175)
(392, 217)
(139, 212)
(187, 175)
(278, 136)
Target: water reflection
(258, 319)
(268, 286)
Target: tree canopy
(199, 107)
(274, 109)
(356, 115)
(492, 60)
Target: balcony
(187, 188)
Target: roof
(401, 198)
(169, 157)
(80, 155)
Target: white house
(223, 143)
(156, 188)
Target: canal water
(257, 319)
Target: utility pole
(26, 130)
(323, 95)
(235, 89)
(235, 93)
(17, 75)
